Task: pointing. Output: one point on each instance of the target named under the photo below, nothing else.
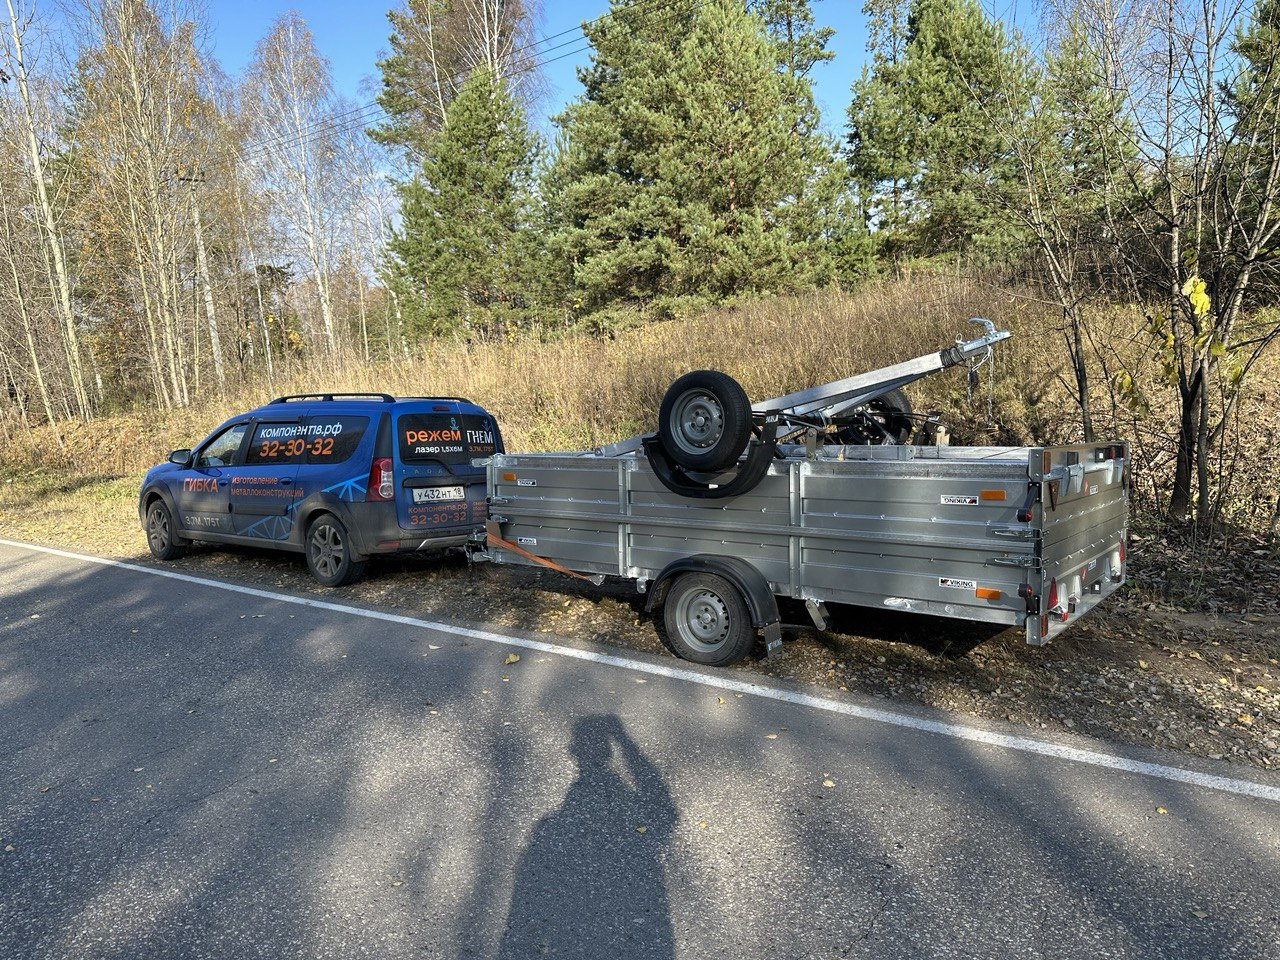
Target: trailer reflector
(986, 593)
(508, 476)
(992, 494)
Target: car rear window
(452, 438)
(322, 439)
(334, 439)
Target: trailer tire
(705, 620)
(892, 410)
(705, 421)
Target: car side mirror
(181, 457)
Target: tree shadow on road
(591, 881)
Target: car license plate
(436, 494)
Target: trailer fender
(750, 582)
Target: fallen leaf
(641, 829)
(721, 700)
(434, 713)
(771, 736)
(1161, 810)
(433, 646)
(828, 783)
(702, 824)
(397, 883)
(512, 658)
(44, 789)
(1199, 914)
(484, 691)
(1142, 664)
(8, 848)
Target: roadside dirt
(1187, 657)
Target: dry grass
(577, 391)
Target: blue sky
(352, 35)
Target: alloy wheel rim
(327, 550)
(158, 530)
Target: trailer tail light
(1117, 572)
(380, 485)
(1056, 609)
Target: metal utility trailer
(1022, 536)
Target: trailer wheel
(705, 421)
(890, 412)
(705, 620)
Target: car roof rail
(383, 397)
(445, 399)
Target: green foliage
(434, 46)
(465, 258)
(690, 167)
(924, 147)
(790, 25)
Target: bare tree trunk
(52, 235)
(202, 266)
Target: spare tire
(705, 421)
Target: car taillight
(1122, 551)
(380, 485)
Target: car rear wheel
(162, 533)
(330, 553)
(705, 620)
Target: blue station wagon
(340, 477)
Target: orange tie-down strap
(543, 561)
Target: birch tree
(294, 150)
(34, 125)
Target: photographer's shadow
(591, 882)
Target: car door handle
(223, 483)
(285, 481)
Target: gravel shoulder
(1187, 657)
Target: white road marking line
(955, 730)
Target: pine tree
(434, 46)
(464, 256)
(689, 167)
(790, 25)
(923, 143)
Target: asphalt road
(191, 772)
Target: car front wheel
(162, 533)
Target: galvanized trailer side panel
(928, 530)
(1082, 514)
